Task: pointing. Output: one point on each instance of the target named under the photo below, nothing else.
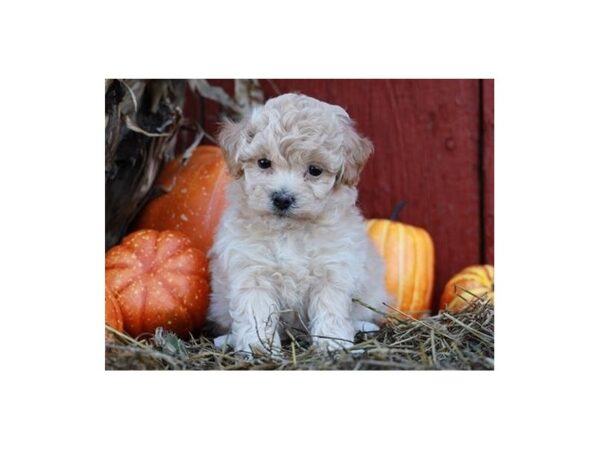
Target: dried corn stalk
(142, 121)
(142, 118)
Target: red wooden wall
(434, 149)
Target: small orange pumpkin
(194, 200)
(112, 311)
(159, 280)
(467, 285)
(409, 257)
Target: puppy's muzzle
(282, 201)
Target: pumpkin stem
(396, 211)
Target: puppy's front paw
(331, 344)
(251, 344)
(364, 326)
(332, 333)
(221, 342)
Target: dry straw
(461, 341)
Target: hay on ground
(463, 341)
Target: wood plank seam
(481, 173)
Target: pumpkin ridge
(123, 288)
(410, 265)
(179, 249)
(417, 266)
(180, 271)
(186, 316)
(401, 264)
(154, 237)
(113, 316)
(422, 259)
(427, 262)
(135, 255)
(488, 272)
(164, 281)
(170, 289)
(122, 265)
(134, 320)
(142, 313)
(383, 240)
(179, 252)
(187, 309)
(196, 274)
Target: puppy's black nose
(282, 200)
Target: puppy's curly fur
(291, 246)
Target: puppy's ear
(357, 150)
(232, 137)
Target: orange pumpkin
(112, 310)
(409, 256)
(159, 280)
(471, 283)
(194, 198)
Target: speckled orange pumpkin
(467, 285)
(409, 256)
(194, 197)
(159, 280)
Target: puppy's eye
(315, 171)
(264, 163)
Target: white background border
(56, 393)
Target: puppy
(291, 247)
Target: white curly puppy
(291, 246)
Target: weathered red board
(433, 149)
(488, 168)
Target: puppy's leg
(222, 341)
(329, 315)
(255, 315)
